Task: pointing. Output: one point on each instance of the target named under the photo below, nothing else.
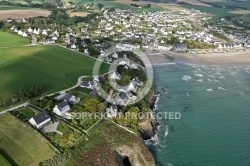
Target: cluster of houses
(135, 30)
(43, 118)
(51, 36)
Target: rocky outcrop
(134, 156)
(148, 128)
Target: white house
(24, 34)
(30, 30)
(9, 20)
(115, 76)
(45, 33)
(40, 120)
(73, 46)
(20, 32)
(69, 98)
(111, 112)
(50, 41)
(61, 108)
(115, 55)
(86, 84)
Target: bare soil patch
(19, 14)
(82, 14)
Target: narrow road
(79, 81)
(14, 108)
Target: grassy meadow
(52, 67)
(245, 5)
(8, 39)
(21, 143)
(4, 161)
(107, 4)
(220, 12)
(153, 8)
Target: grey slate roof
(67, 97)
(123, 96)
(41, 117)
(62, 105)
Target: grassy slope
(103, 140)
(52, 67)
(4, 161)
(24, 146)
(8, 39)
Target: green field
(245, 5)
(4, 161)
(220, 12)
(52, 67)
(8, 39)
(24, 114)
(107, 4)
(7, 7)
(22, 144)
(153, 8)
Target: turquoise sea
(214, 102)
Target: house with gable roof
(62, 108)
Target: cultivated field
(82, 14)
(22, 143)
(152, 9)
(220, 12)
(195, 2)
(20, 13)
(107, 4)
(52, 67)
(8, 39)
(172, 6)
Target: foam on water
(199, 75)
(186, 78)
(220, 88)
(210, 90)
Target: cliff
(148, 128)
(107, 145)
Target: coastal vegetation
(22, 143)
(102, 143)
(219, 35)
(192, 44)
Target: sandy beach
(227, 58)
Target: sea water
(214, 129)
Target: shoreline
(227, 58)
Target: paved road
(14, 108)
